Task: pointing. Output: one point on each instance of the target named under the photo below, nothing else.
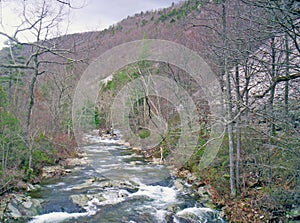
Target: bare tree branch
(278, 79)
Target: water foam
(199, 214)
(56, 217)
(162, 195)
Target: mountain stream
(119, 185)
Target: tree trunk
(271, 106)
(31, 95)
(229, 101)
(31, 103)
(29, 162)
(286, 89)
(238, 128)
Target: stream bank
(20, 205)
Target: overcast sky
(96, 15)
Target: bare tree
(40, 20)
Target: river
(119, 185)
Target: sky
(95, 15)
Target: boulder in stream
(21, 206)
(179, 184)
(83, 199)
(73, 162)
(53, 171)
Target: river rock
(97, 179)
(192, 178)
(108, 136)
(137, 149)
(204, 191)
(13, 211)
(73, 162)
(22, 206)
(53, 171)
(184, 174)
(3, 203)
(27, 204)
(68, 170)
(31, 187)
(123, 193)
(172, 208)
(80, 199)
(126, 144)
(156, 161)
(123, 184)
(83, 199)
(178, 184)
(92, 181)
(122, 142)
(114, 191)
(27, 186)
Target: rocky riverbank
(19, 206)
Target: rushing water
(119, 186)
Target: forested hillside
(253, 47)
